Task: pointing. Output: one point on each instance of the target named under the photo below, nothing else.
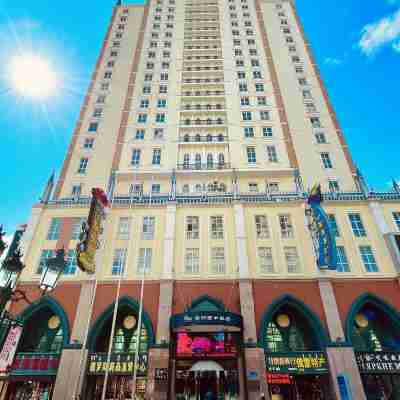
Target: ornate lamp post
(52, 271)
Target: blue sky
(357, 46)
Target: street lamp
(52, 271)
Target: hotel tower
(207, 123)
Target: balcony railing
(203, 139)
(204, 167)
(194, 69)
(191, 81)
(202, 122)
(204, 93)
(35, 364)
(206, 107)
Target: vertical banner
(91, 231)
(9, 348)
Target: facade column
(254, 368)
(341, 358)
(159, 354)
(72, 369)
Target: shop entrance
(28, 390)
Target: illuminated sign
(378, 363)
(308, 362)
(206, 318)
(119, 364)
(279, 379)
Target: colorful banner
(91, 231)
(9, 348)
(120, 364)
(379, 362)
(309, 362)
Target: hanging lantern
(52, 271)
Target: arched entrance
(45, 333)
(206, 352)
(124, 345)
(294, 342)
(373, 327)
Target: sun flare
(32, 76)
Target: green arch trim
(206, 298)
(101, 321)
(369, 298)
(48, 302)
(300, 307)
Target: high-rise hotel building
(206, 122)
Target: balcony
(202, 81)
(202, 69)
(203, 107)
(204, 167)
(202, 58)
(203, 139)
(205, 93)
(202, 122)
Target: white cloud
(333, 61)
(380, 33)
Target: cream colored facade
(205, 160)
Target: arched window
(186, 161)
(290, 330)
(221, 159)
(210, 160)
(186, 138)
(209, 138)
(198, 138)
(373, 329)
(198, 161)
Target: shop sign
(378, 363)
(308, 362)
(279, 379)
(206, 318)
(9, 348)
(119, 364)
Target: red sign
(9, 348)
(279, 379)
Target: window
(253, 52)
(192, 227)
(88, 144)
(272, 187)
(119, 260)
(271, 154)
(292, 260)
(267, 131)
(307, 94)
(108, 75)
(326, 161)
(77, 228)
(76, 191)
(251, 155)
(146, 90)
(262, 228)
(333, 186)
(368, 259)
(140, 134)
(93, 126)
(264, 115)
(144, 260)
(162, 103)
(163, 89)
(158, 133)
(261, 101)
(135, 160)
(244, 101)
(396, 217)
(333, 225)
(148, 228)
(45, 255)
(242, 87)
(239, 63)
(357, 225)
(217, 227)
(253, 187)
(265, 259)
(54, 229)
(71, 264)
(97, 112)
(142, 118)
(83, 165)
(124, 227)
(320, 137)
(144, 103)
(246, 115)
(160, 118)
(315, 122)
(255, 63)
(192, 261)
(302, 81)
(342, 261)
(241, 75)
(217, 260)
(285, 223)
(259, 87)
(155, 188)
(248, 132)
(101, 99)
(156, 157)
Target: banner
(9, 348)
(91, 231)
(378, 363)
(120, 364)
(308, 362)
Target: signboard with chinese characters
(279, 379)
(9, 348)
(91, 231)
(379, 362)
(120, 364)
(206, 318)
(308, 362)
